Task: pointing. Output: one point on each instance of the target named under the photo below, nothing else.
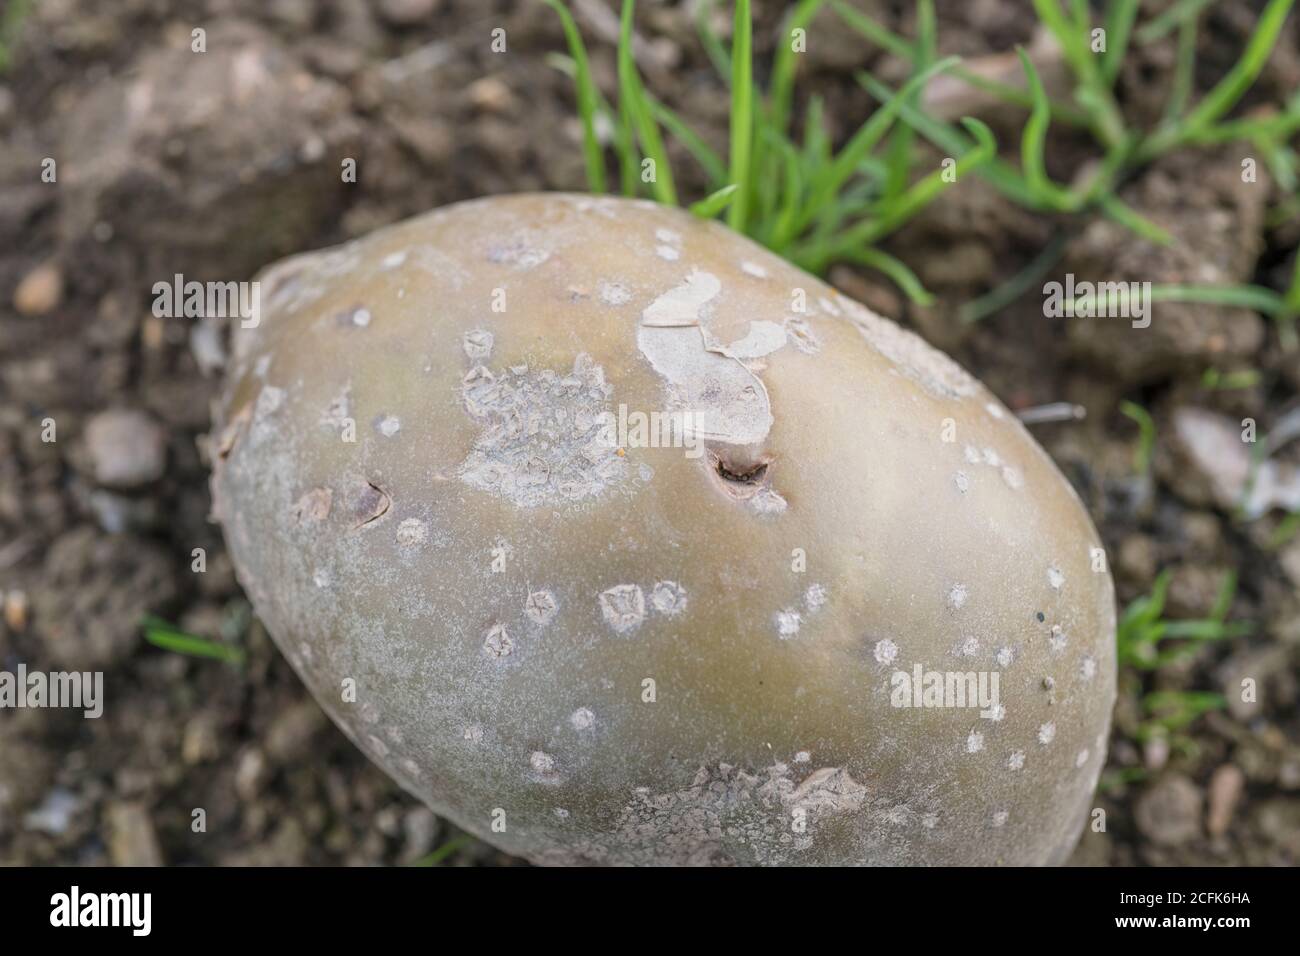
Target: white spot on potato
(613, 293)
(1087, 667)
(1057, 640)
(411, 532)
(957, 596)
(477, 343)
(623, 607)
(765, 501)
(788, 622)
(541, 763)
(801, 334)
(668, 597)
(497, 643)
(541, 606)
(815, 597)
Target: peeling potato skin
(374, 560)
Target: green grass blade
(1033, 142)
(816, 143)
(1180, 89)
(163, 635)
(705, 155)
(902, 209)
(1280, 127)
(1001, 175)
(742, 114)
(1286, 530)
(1223, 600)
(11, 20)
(791, 194)
(899, 161)
(865, 26)
(897, 272)
(1173, 710)
(765, 176)
(639, 116)
(1291, 302)
(1282, 163)
(924, 192)
(1011, 290)
(846, 163)
(1146, 448)
(441, 853)
(1218, 381)
(1093, 92)
(588, 98)
(1125, 215)
(714, 203)
(1120, 17)
(1240, 296)
(1225, 94)
(1170, 20)
(713, 48)
(1072, 42)
(781, 85)
(1017, 97)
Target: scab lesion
(369, 504)
(745, 477)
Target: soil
(215, 165)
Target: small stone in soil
(1226, 786)
(127, 448)
(132, 840)
(40, 291)
(1169, 812)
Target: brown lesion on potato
(744, 474)
(229, 434)
(314, 506)
(752, 475)
(740, 472)
(370, 503)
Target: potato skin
(626, 655)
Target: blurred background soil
(215, 165)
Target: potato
(615, 538)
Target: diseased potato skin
(933, 529)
